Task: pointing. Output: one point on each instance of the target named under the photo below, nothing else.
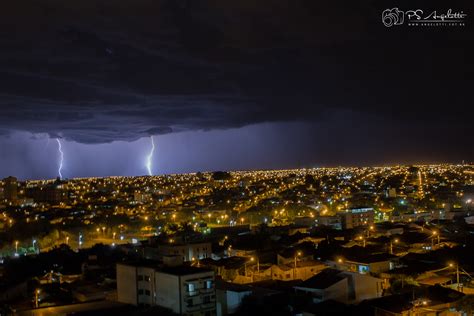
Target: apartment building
(185, 290)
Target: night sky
(229, 85)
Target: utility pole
(37, 291)
(294, 269)
(457, 274)
(391, 245)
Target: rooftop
(176, 270)
(183, 270)
(323, 280)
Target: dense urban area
(325, 241)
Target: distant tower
(10, 188)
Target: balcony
(191, 293)
(207, 291)
(210, 305)
(193, 308)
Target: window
(288, 275)
(140, 277)
(191, 287)
(147, 292)
(363, 269)
(206, 300)
(189, 302)
(147, 278)
(140, 292)
(209, 284)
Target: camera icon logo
(392, 17)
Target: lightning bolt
(61, 158)
(149, 158)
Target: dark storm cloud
(101, 71)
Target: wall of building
(168, 291)
(316, 294)
(306, 272)
(378, 267)
(127, 284)
(364, 287)
(234, 300)
(145, 285)
(338, 292)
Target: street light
(16, 247)
(258, 263)
(457, 272)
(371, 227)
(435, 234)
(298, 254)
(245, 266)
(37, 292)
(391, 245)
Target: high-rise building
(356, 217)
(185, 290)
